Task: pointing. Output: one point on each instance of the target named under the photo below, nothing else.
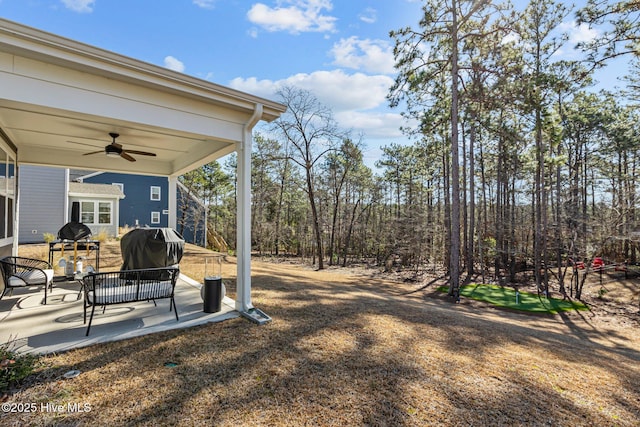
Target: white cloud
(299, 16)
(576, 34)
(82, 6)
(375, 125)
(205, 4)
(263, 88)
(369, 16)
(174, 64)
(358, 101)
(335, 89)
(580, 33)
(511, 38)
(374, 56)
(253, 33)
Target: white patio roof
(61, 98)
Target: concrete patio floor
(31, 327)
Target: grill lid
(74, 231)
(151, 248)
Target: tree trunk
(349, 232)
(454, 264)
(465, 212)
(472, 197)
(315, 219)
(278, 218)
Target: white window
(96, 212)
(7, 194)
(155, 193)
(155, 217)
(104, 213)
(87, 212)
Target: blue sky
(338, 49)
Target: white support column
(206, 225)
(67, 209)
(243, 287)
(172, 221)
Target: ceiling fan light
(111, 151)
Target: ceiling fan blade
(93, 152)
(124, 155)
(142, 153)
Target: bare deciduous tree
(309, 127)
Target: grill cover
(74, 231)
(151, 248)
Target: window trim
(96, 212)
(159, 193)
(157, 214)
(9, 219)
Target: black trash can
(212, 295)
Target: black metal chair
(20, 272)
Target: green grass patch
(526, 301)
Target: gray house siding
(42, 192)
(91, 200)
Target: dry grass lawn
(348, 348)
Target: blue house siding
(137, 207)
(42, 192)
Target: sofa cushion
(127, 291)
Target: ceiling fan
(115, 150)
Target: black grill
(74, 231)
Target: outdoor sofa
(127, 286)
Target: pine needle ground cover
(350, 348)
(524, 301)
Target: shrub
(48, 237)
(102, 236)
(14, 367)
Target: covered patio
(58, 326)
(61, 99)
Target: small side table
(79, 277)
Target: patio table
(73, 247)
